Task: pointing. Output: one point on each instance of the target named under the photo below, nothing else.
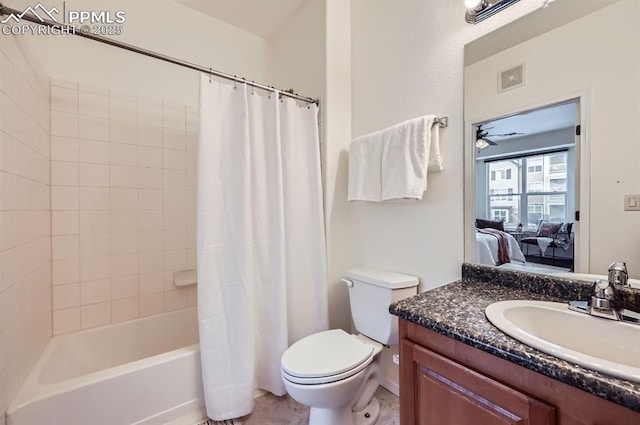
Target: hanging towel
(365, 158)
(406, 158)
(435, 159)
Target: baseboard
(393, 387)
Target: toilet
(336, 373)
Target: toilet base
(344, 416)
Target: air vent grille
(511, 78)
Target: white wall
(407, 60)
(165, 27)
(25, 213)
(598, 54)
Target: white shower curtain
(261, 250)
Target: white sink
(605, 345)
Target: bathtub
(142, 372)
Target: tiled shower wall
(25, 230)
(123, 205)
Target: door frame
(582, 171)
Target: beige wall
(610, 81)
(25, 231)
(123, 205)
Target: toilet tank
(370, 296)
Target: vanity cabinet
(446, 382)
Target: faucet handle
(618, 274)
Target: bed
(486, 251)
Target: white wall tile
(174, 139)
(65, 247)
(150, 136)
(66, 271)
(149, 157)
(175, 300)
(67, 320)
(175, 179)
(150, 220)
(174, 220)
(64, 198)
(150, 241)
(173, 116)
(150, 178)
(94, 222)
(124, 155)
(124, 221)
(95, 315)
(94, 198)
(124, 198)
(64, 173)
(95, 268)
(149, 113)
(124, 132)
(95, 291)
(93, 128)
(93, 104)
(124, 176)
(175, 199)
(65, 223)
(174, 160)
(151, 283)
(150, 262)
(123, 109)
(151, 304)
(124, 287)
(124, 243)
(66, 296)
(125, 309)
(94, 175)
(64, 124)
(64, 99)
(64, 149)
(174, 239)
(93, 152)
(150, 199)
(95, 245)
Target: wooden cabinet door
(447, 393)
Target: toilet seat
(326, 357)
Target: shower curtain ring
(253, 87)
(210, 72)
(235, 82)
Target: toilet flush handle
(348, 282)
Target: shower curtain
(261, 250)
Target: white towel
(406, 158)
(365, 159)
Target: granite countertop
(456, 310)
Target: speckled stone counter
(456, 310)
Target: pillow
(548, 229)
(490, 224)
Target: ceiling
(260, 17)
(534, 122)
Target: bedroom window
(528, 188)
(500, 215)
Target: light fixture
(483, 143)
(479, 10)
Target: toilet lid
(324, 354)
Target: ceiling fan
(482, 137)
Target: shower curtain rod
(4, 10)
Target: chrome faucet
(603, 302)
(618, 274)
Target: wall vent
(511, 78)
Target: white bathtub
(142, 372)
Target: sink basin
(604, 345)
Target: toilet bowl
(336, 375)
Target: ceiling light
(479, 10)
(483, 143)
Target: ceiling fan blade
(504, 134)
